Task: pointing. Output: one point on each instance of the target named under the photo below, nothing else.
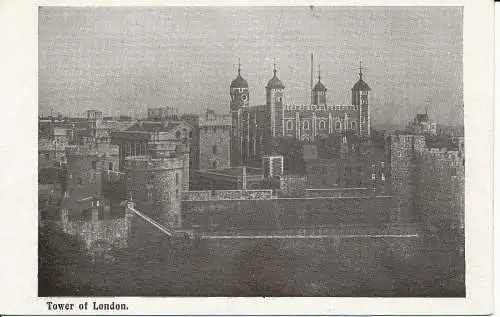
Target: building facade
(214, 141)
(255, 127)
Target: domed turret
(239, 81)
(360, 85)
(275, 82)
(319, 85)
(319, 91)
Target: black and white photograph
(232, 151)
(253, 151)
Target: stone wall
(203, 195)
(405, 150)
(113, 233)
(286, 212)
(441, 191)
(339, 192)
(292, 185)
(428, 182)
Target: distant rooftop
(154, 126)
(236, 171)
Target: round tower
(155, 186)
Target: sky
(122, 60)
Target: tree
(63, 265)
(291, 150)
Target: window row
(306, 125)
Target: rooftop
(154, 126)
(236, 171)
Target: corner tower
(238, 91)
(274, 103)
(360, 97)
(319, 91)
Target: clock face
(244, 97)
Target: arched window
(178, 134)
(289, 125)
(305, 125)
(322, 124)
(337, 125)
(354, 125)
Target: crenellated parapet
(207, 195)
(148, 163)
(329, 108)
(215, 120)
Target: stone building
(429, 183)
(348, 163)
(441, 191)
(153, 138)
(211, 140)
(155, 185)
(422, 124)
(154, 155)
(253, 127)
(86, 168)
(404, 151)
(163, 113)
(52, 142)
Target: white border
(18, 142)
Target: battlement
(213, 120)
(202, 195)
(147, 163)
(78, 150)
(295, 107)
(339, 192)
(433, 154)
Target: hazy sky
(122, 60)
